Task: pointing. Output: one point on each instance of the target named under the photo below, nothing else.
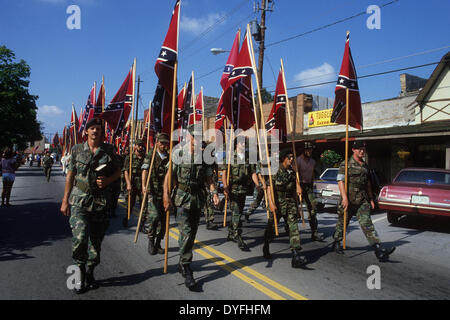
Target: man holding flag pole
(353, 175)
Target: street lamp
(216, 51)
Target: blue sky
(65, 63)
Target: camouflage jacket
(190, 179)
(47, 161)
(85, 193)
(284, 183)
(136, 171)
(240, 174)
(358, 177)
(158, 173)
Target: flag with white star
(277, 116)
(89, 109)
(164, 69)
(237, 96)
(231, 62)
(347, 80)
(118, 110)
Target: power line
(364, 76)
(326, 26)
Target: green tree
(18, 124)
(266, 96)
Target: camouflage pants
(287, 208)
(258, 196)
(47, 172)
(88, 230)
(362, 213)
(187, 221)
(156, 218)
(135, 192)
(208, 209)
(311, 204)
(236, 202)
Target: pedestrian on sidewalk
(8, 169)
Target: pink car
(419, 191)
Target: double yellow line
(236, 269)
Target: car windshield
(330, 175)
(429, 177)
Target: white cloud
(198, 25)
(46, 111)
(323, 73)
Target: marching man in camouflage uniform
(93, 167)
(47, 163)
(156, 214)
(287, 190)
(188, 176)
(134, 185)
(208, 208)
(305, 165)
(258, 193)
(357, 201)
(241, 174)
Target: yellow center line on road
(239, 265)
(234, 272)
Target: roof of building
(445, 61)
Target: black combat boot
(297, 260)
(315, 236)
(189, 277)
(266, 252)
(337, 247)
(91, 283)
(151, 246)
(81, 286)
(241, 244)
(158, 246)
(382, 254)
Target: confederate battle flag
(237, 96)
(164, 69)
(89, 110)
(347, 80)
(118, 110)
(277, 116)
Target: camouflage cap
(94, 122)
(139, 142)
(358, 144)
(163, 137)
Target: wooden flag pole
(230, 150)
(74, 124)
(259, 146)
(145, 194)
(203, 112)
(172, 124)
(192, 102)
(148, 124)
(292, 141)
(346, 161)
(131, 137)
(265, 133)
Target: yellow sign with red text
(320, 118)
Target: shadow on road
(25, 226)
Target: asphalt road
(35, 252)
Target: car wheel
(320, 207)
(392, 218)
